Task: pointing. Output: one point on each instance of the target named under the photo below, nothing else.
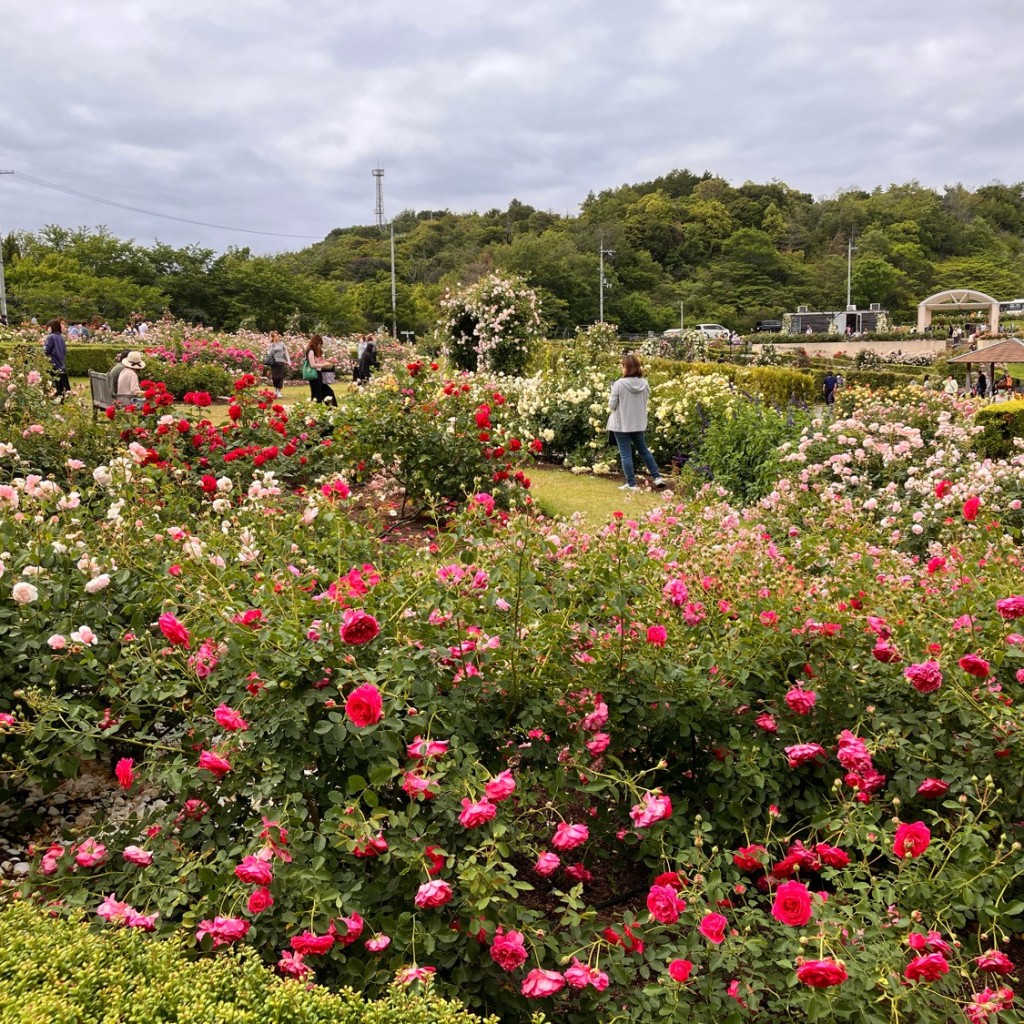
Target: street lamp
(602, 251)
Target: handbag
(327, 377)
(308, 371)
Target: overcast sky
(270, 115)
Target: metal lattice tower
(378, 178)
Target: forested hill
(727, 254)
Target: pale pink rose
(57, 642)
(653, 807)
(433, 894)
(24, 593)
(540, 983)
(136, 855)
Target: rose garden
(369, 736)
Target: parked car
(713, 330)
(768, 326)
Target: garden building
(852, 319)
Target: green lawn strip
(561, 494)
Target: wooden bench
(102, 398)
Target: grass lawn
(561, 494)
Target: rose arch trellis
(955, 299)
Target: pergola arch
(954, 299)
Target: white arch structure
(955, 299)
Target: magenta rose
(664, 904)
(712, 927)
(364, 706)
(975, 665)
(311, 944)
(971, 507)
(933, 788)
(925, 677)
(568, 837)
(214, 763)
(254, 871)
(1011, 607)
(501, 787)
(804, 753)
(508, 950)
(228, 718)
(125, 772)
(657, 635)
(357, 627)
(912, 839)
(994, 962)
(433, 894)
(929, 967)
(476, 813)
(173, 630)
(801, 701)
(792, 904)
(547, 864)
(679, 970)
(259, 901)
(222, 930)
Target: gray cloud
(270, 114)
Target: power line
(67, 190)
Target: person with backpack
(367, 363)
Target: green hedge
(181, 378)
(58, 971)
(774, 385)
(1002, 422)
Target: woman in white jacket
(628, 421)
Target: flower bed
(729, 762)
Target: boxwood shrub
(1002, 422)
(58, 971)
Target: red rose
(679, 970)
(357, 627)
(832, 855)
(259, 901)
(994, 962)
(933, 788)
(792, 904)
(911, 839)
(971, 506)
(821, 973)
(749, 858)
(125, 772)
(664, 905)
(364, 706)
(942, 488)
(712, 927)
(929, 967)
(975, 665)
(310, 944)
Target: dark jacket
(367, 362)
(56, 349)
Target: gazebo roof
(1008, 351)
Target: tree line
(683, 243)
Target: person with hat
(128, 390)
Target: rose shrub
(362, 759)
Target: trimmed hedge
(774, 385)
(59, 971)
(180, 378)
(1003, 422)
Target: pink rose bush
(724, 758)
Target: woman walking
(628, 421)
(320, 386)
(56, 350)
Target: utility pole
(681, 327)
(394, 314)
(849, 267)
(3, 287)
(602, 252)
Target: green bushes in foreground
(1002, 422)
(56, 971)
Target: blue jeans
(626, 441)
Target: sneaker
(658, 482)
(629, 487)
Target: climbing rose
(125, 772)
(792, 904)
(547, 864)
(821, 973)
(568, 837)
(364, 705)
(540, 983)
(749, 858)
(653, 808)
(657, 635)
(579, 975)
(929, 967)
(804, 753)
(995, 962)
(971, 507)
(476, 813)
(357, 627)
(933, 788)
(679, 970)
(407, 975)
(136, 855)
(925, 677)
(378, 943)
(433, 894)
(222, 930)
(911, 839)
(90, 854)
(310, 944)
(292, 965)
(228, 718)
(508, 951)
(173, 630)
(254, 871)
(214, 763)
(712, 927)
(259, 901)
(801, 701)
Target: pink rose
(884, 652)
(136, 855)
(657, 635)
(501, 787)
(911, 839)
(540, 983)
(679, 970)
(994, 962)
(547, 864)
(378, 943)
(925, 677)
(792, 904)
(254, 871)
(229, 719)
(971, 507)
(766, 722)
(1011, 607)
(222, 930)
(124, 770)
(433, 894)
(653, 808)
(508, 950)
(664, 904)
(420, 748)
(90, 854)
(173, 630)
(357, 627)
(364, 706)
(933, 788)
(568, 837)
(821, 973)
(597, 719)
(804, 753)
(214, 763)
(712, 927)
(292, 965)
(476, 813)
(259, 901)
(929, 967)
(133, 919)
(409, 975)
(579, 975)
(801, 701)
(113, 910)
(310, 944)
(598, 743)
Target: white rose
(98, 583)
(24, 593)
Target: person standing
(627, 403)
(367, 363)
(982, 384)
(320, 386)
(277, 362)
(828, 388)
(55, 348)
(950, 387)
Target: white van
(713, 330)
